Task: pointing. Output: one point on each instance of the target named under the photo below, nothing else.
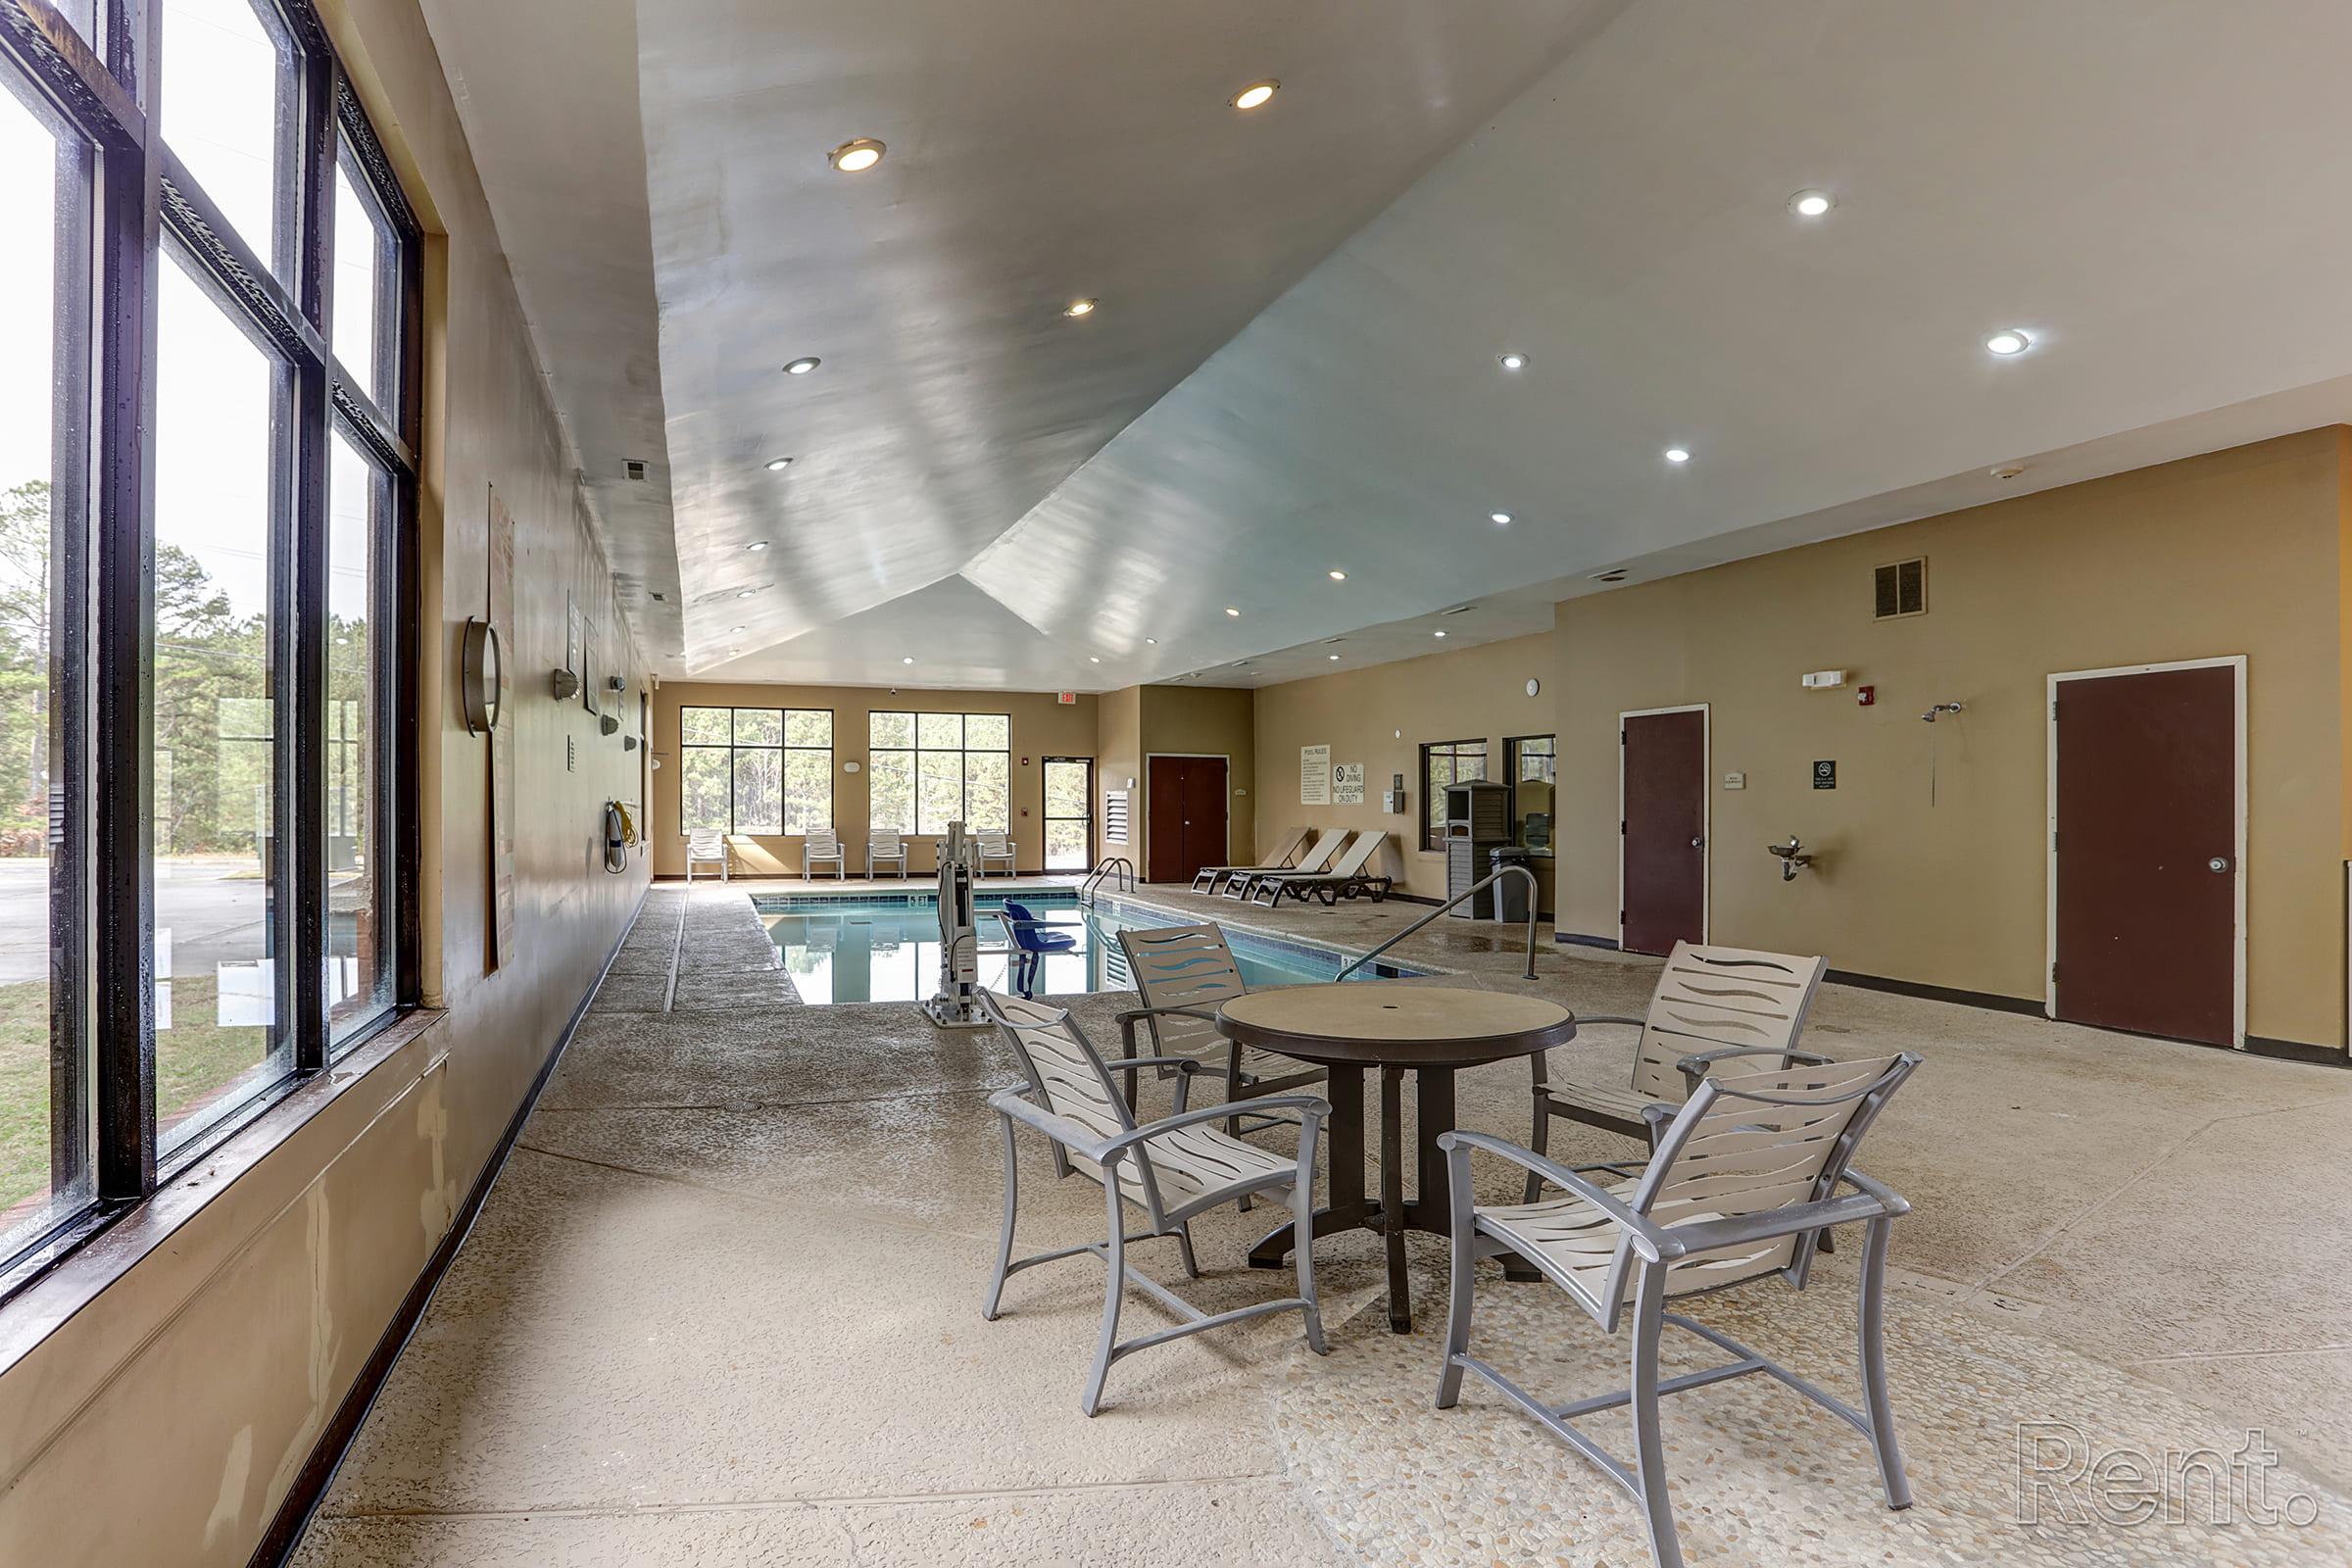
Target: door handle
(2219, 863)
(1699, 843)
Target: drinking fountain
(1791, 856)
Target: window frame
(1511, 753)
(107, 91)
(1432, 828)
(783, 746)
(916, 750)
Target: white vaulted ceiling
(1292, 369)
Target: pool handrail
(1534, 894)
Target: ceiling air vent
(1613, 574)
(635, 469)
(1901, 589)
(1458, 609)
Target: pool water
(888, 949)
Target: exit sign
(1065, 698)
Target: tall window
(929, 769)
(756, 769)
(1445, 763)
(1532, 764)
(205, 613)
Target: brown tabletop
(1428, 1031)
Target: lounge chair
(883, 847)
(1240, 879)
(703, 846)
(997, 847)
(1745, 1178)
(1172, 1169)
(1184, 973)
(822, 847)
(1345, 879)
(1209, 877)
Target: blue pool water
(840, 950)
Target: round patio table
(1429, 1031)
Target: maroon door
(1665, 830)
(1185, 821)
(2147, 853)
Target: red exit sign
(1065, 697)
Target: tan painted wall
(1042, 727)
(1206, 721)
(1934, 843)
(1120, 715)
(206, 1370)
(1360, 713)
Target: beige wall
(1380, 716)
(201, 1346)
(1204, 721)
(1042, 726)
(1934, 846)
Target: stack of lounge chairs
(1337, 865)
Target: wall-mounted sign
(1824, 775)
(1314, 775)
(1348, 784)
(1065, 698)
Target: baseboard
(1991, 1001)
(317, 1472)
(1580, 940)
(2297, 1050)
(921, 877)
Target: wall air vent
(635, 469)
(1115, 816)
(1900, 589)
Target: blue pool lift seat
(1032, 939)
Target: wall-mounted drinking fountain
(1792, 856)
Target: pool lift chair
(956, 1005)
(1030, 939)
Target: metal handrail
(1534, 897)
(1104, 867)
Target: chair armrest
(1311, 1110)
(1208, 1014)
(1796, 1218)
(1582, 1019)
(1695, 1067)
(1078, 1139)
(1648, 1238)
(1894, 1202)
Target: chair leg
(1874, 1366)
(1458, 1301)
(1303, 1234)
(1233, 1095)
(1114, 1284)
(1184, 1249)
(1649, 1308)
(1539, 1141)
(1012, 1198)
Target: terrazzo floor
(722, 1308)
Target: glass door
(1069, 813)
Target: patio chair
(1319, 854)
(1172, 1169)
(822, 847)
(881, 849)
(1740, 1183)
(1733, 999)
(705, 845)
(1030, 939)
(997, 847)
(1210, 877)
(1346, 878)
(1184, 973)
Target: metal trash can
(1510, 895)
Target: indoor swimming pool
(887, 949)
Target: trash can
(1510, 895)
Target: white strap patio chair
(997, 847)
(1347, 876)
(884, 848)
(1172, 1169)
(1238, 879)
(1184, 973)
(1211, 878)
(1742, 1182)
(1711, 1003)
(822, 847)
(703, 845)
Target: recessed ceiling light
(757, 543)
(1330, 655)
(1255, 95)
(1513, 362)
(747, 592)
(1337, 576)
(908, 659)
(1092, 660)
(2008, 341)
(803, 366)
(1080, 308)
(1503, 518)
(735, 631)
(1436, 634)
(1154, 641)
(1678, 454)
(1811, 202)
(1230, 610)
(778, 464)
(856, 157)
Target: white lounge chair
(1742, 1181)
(1209, 877)
(1240, 879)
(882, 848)
(1172, 1169)
(705, 845)
(1345, 879)
(822, 847)
(997, 847)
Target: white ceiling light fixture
(757, 543)
(747, 592)
(1092, 660)
(1514, 360)
(1436, 633)
(1078, 308)
(1256, 95)
(908, 659)
(1811, 202)
(1333, 656)
(1501, 518)
(1678, 454)
(855, 157)
(735, 631)
(1230, 610)
(1336, 576)
(803, 366)
(1154, 641)
(778, 464)
(2008, 343)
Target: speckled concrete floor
(723, 1307)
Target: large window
(1445, 763)
(926, 770)
(1532, 764)
(756, 769)
(206, 592)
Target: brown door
(2146, 850)
(1665, 830)
(1184, 822)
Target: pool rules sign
(1314, 775)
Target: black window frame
(915, 751)
(108, 89)
(1511, 753)
(1433, 825)
(783, 746)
